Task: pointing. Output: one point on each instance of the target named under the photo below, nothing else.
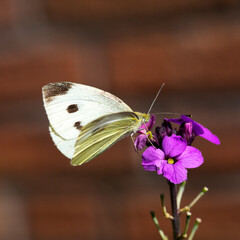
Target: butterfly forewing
(71, 106)
(102, 133)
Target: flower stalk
(160, 231)
(180, 193)
(195, 227)
(205, 189)
(175, 214)
(188, 217)
(195, 200)
(165, 213)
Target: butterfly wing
(102, 133)
(66, 146)
(72, 106)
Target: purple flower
(173, 159)
(189, 129)
(165, 130)
(144, 133)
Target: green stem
(195, 227)
(160, 231)
(205, 189)
(180, 193)
(187, 208)
(165, 213)
(188, 216)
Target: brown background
(128, 48)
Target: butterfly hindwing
(66, 146)
(102, 133)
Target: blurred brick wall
(128, 48)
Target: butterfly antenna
(170, 113)
(156, 98)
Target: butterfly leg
(133, 141)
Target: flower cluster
(169, 150)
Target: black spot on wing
(72, 108)
(55, 89)
(77, 125)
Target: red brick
(5, 13)
(27, 148)
(13, 12)
(210, 209)
(25, 70)
(62, 217)
(12, 212)
(123, 208)
(107, 10)
(118, 208)
(26, 153)
(201, 55)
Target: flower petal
(203, 132)
(151, 158)
(191, 158)
(149, 166)
(151, 122)
(175, 173)
(160, 166)
(153, 154)
(140, 141)
(173, 145)
(208, 135)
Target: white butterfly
(85, 121)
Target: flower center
(150, 134)
(170, 161)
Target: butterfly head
(146, 118)
(143, 117)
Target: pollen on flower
(171, 161)
(149, 133)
